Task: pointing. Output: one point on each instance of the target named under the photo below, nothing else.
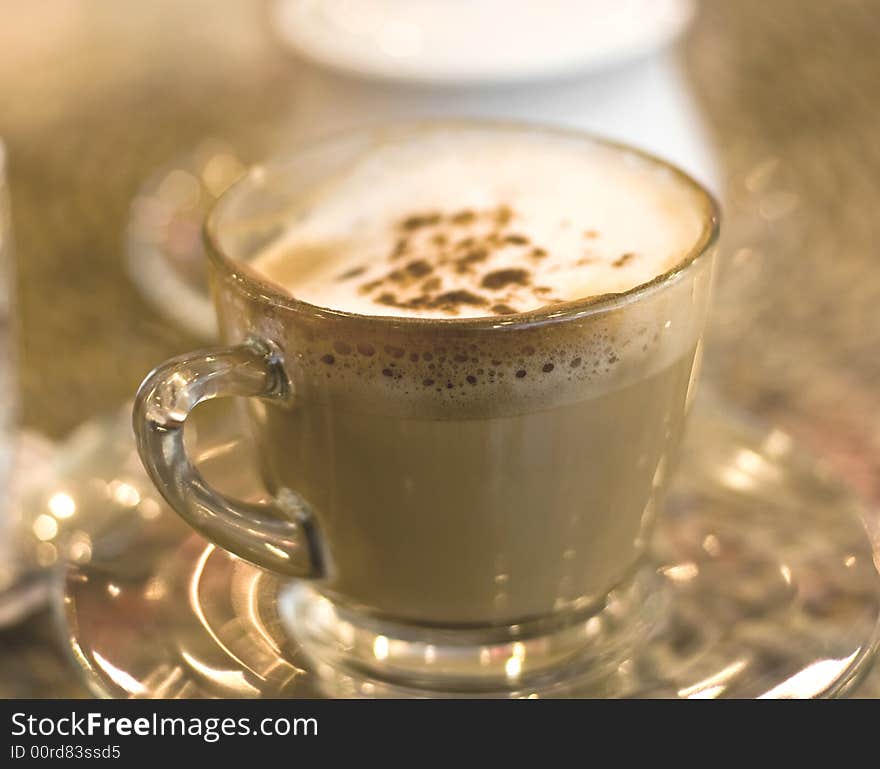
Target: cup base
(356, 655)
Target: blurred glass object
(7, 378)
(163, 238)
(604, 66)
(23, 454)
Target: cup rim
(257, 287)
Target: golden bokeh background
(95, 95)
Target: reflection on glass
(812, 680)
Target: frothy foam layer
(483, 224)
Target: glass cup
(462, 505)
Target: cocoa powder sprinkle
(417, 221)
(463, 217)
(399, 248)
(453, 298)
(419, 268)
(463, 263)
(501, 278)
(503, 215)
(352, 273)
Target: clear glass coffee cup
(461, 504)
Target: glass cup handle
(281, 536)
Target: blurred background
(99, 99)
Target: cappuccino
(482, 474)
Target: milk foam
(482, 224)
